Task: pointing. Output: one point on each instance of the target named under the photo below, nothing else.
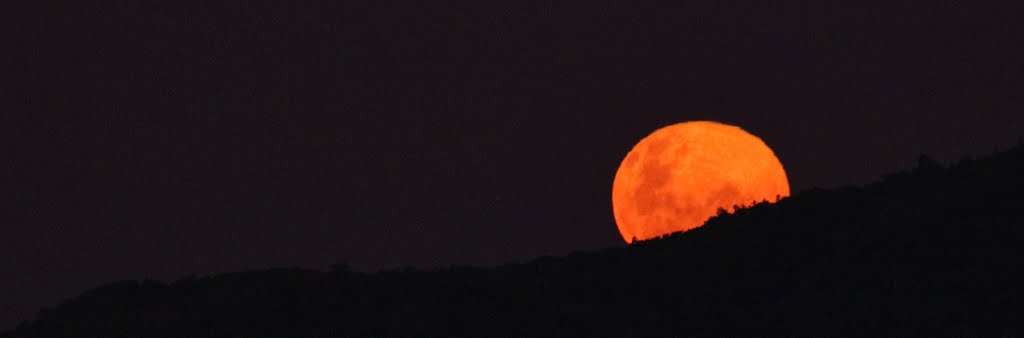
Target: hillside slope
(933, 250)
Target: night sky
(162, 140)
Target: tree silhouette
(935, 250)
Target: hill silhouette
(937, 249)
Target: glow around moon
(679, 176)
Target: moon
(678, 177)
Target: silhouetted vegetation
(932, 250)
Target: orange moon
(679, 176)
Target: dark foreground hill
(934, 250)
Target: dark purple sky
(164, 140)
